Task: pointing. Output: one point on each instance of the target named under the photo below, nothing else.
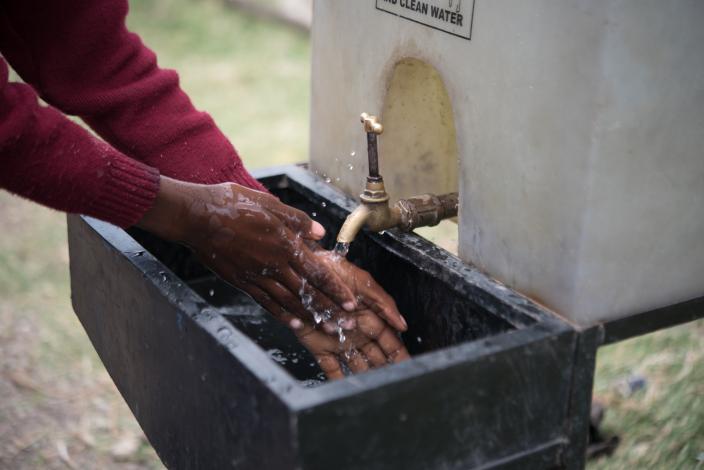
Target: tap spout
(375, 216)
(353, 224)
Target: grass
(253, 77)
(661, 426)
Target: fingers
(325, 279)
(374, 354)
(375, 329)
(296, 220)
(284, 296)
(331, 366)
(376, 297)
(266, 301)
(309, 303)
(307, 335)
(370, 325)
(383, 305)
(356, 361)
(364, 285)
(392, 346)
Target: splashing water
(341, 249)
(340, 332)
(307, 302)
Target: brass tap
(375, 213)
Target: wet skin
(268, 249)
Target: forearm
(100, 71)
(51, 160)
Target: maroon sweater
(80, 58)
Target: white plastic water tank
(578, 132)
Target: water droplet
(277, 355)
(353, 154)
(163, 276)
(224, 333)
(350, 166)
(324, 204)
(211, 292)
(328, 179)
(314, 214)
(342, 248)
(419, 340)
(340, 333)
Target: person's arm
(81, 59)
(49, 159)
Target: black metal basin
(215, 382)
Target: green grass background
(253, 77)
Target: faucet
(375, 212)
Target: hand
(258, 244)
(373, 344)
(368, 292)
(253, 241)
(370, 344)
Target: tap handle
(372, 125)
(373, 128)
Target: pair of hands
(266, 248)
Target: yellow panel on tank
(418, 150)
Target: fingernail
(405, 323)
(317, 230)
(349, 306)
(349, 324)
(296, 323)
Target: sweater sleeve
(81, 58)
(51, 160)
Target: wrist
(168, 217)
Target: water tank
(574, 131)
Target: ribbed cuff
(128, 191)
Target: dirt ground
(58, 407)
